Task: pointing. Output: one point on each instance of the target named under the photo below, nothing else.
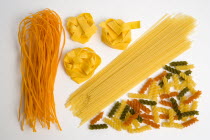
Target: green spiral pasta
(146, 102)
(114, 109)
(172, 70)
(190, 113)
(125, 111)
(182, 92)
(176, 108)
(139, 118)
(98, 126)
(178, 63)
(132, 111)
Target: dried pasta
(172, 70)
(189, 122)
(125, 111)
(160, 76)
(146, 102)
(146, 85)
(97, 118)
(114, 109)
(186, 67)
(193, 97)
(171, 94)
(151, 123)
(183, 92)
(169, 37)
(166, 103)
(178, 63)
(98, 126)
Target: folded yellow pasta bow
(81, 63)
(81, 28)
(116, 33)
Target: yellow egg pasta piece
(116, 33)
(81, 63)
(81, 28)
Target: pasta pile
(81, 63)
(116, 33)
(169, 36)
(81, 28)
(158, 106)
(39, 37)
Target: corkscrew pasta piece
(175, 78)
(178, 63)
(136, 123)
(98, 126)
(154, 91)
(121, 108)
(97, 118)
(168, 76)
(189, 122)
(171, 116)
(151, 123)
(166, 85)
(188, 72)
(160, 76)
(130, 119)
(140, 130)
(162, 110)
(135, 105)
(166, 103)
(113, 124)
(144, 108)
(139, 118)
(155, 114)
(140, 96)
(190, 113)
(188, 78)
(146, 102)
(146, 116)
(186, 67)
(114, 109)
(171, 94)
(194, 105)
(146, 86)
(172, 70)
(166, 117)
(173, 125)
(176, 108)
(125, 111)
(193, 97)
(183, 92)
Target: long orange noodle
(40, 36)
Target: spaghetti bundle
(169, 36)
(39, 37)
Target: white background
(148, 12)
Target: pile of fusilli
(168, 100)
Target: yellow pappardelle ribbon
(116, 33)
(81, 28)
(81, 63)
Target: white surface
(11, 13)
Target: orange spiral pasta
(146, 85)
(165, 103)
(134, 104)
(144, 108)
(160, 76)
(193, 97)
(190, 122)
(163, 96)
(130, 119)
(166, 116)
(153, 124)
(146, 116)
(97, 118)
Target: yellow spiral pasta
(185, 67)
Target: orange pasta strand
(40, 36)
(97, 118)
(190, 122)
(193, 97)
(160, 76)
(165, 116)
(146, 86)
